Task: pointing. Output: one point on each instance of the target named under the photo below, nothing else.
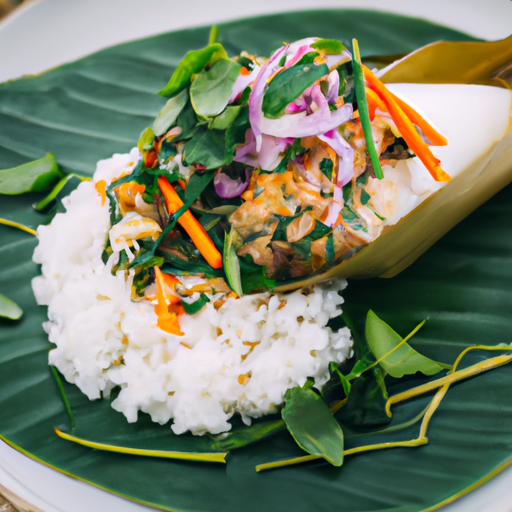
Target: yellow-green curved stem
(17, 225)
(201, 457)
(453, 376)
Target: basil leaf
(226, 118)
(402, 361)
(211, 89)
(193, 62)
(206, 148)
(9, 308)
(330, 46)
(187, 121)
(235, 134)
(288, 85)
(366, 405)
(312, 425)
(196, 306)
(169, 113)
(33, 176)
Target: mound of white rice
(240, 358)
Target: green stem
(55, 191)
(362, 106)
(63, 396)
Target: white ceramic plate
(46, 33)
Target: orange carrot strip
(406, 128)
(374, 103)
(167, 321)
(190, 224)
(433, 136)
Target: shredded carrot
(374, 103)
(101, 188)
(191, 225)
(433, 136)
(406, 128)
(167, 321)
(244, 71)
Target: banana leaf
(89, 109)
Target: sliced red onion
(338, 194)
(302, 125)
(301, 51)
(268, 157)
(242, 82)
(333, 80)
(258, 89)
(228, 188)
(344, 151)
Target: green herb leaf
(193, 62)
(9, 308)
(206, 148)
(346, 88)
(194, 307)
(362, 106)
(33, 176)
(343, 380)
(235, 133)
(400, 361)
(226, 118)
(146, 140)
(169, 113)
(312, 425)
(366, 405)
(231, 263)
(326, 166)
(288, 85)
(330, 46)
(180, 266)
(211, 90)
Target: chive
(362, 106)
(63, 396)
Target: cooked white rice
(240, 358)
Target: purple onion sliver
(242, 82)
(258, 89)
(228, 188)
(333, 79)
(302, 125)
(346, 154)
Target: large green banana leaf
(97, 106)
